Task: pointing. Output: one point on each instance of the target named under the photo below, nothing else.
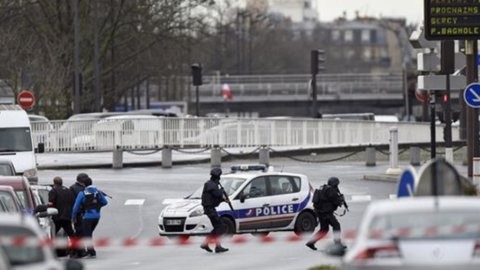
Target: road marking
(361, 198)
(135, 202)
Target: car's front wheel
(306, 222)
(230, 226)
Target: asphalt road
(150, 186)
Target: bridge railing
(108, 134)
(298, 85)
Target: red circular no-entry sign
(26, 99)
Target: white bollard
(117, 158)
(476, 171)
(215, 157)
(166, 157)
(394, 169)
(264, 156)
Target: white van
(16, 142)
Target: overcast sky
(411, 9)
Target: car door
(251, 214)
(284, 199)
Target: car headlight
(197, 212)
(30, 173)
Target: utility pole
(76, 57)
(96, 52)
(471, 52)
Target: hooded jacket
(80, 201)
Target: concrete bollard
(166, 157)
(264, 155)
(415, 156)
(371, 156)
(476, 171)
(117, 158)
(394, 169)
(215, 157)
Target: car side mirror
(73, 265)
(242, 197)
(335, 249)
(41, 148)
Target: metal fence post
(166, 157)
(394, 169)
(117, 158)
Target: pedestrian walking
(90, 201)
(61, 198)
(325, 201)
(212, 196)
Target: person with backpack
(325, 201)
(90, 200)
(76, 188)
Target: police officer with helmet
(212, 196)
(325, 201)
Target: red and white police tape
(407, 232)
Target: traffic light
(197, 74)
(317, 59)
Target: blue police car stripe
(281, 209)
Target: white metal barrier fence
(108, 134)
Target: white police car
(262, 200)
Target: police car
(262, 200)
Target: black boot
(205, 247)
(220, 249)
(311, 245)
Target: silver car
(418, 233)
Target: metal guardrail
(266, 86)
(137, 134)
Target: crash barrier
(467, 230)
(130, 134)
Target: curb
(382, 177)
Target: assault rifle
(226, 196)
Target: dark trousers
(217, 223)
(89, 226)
(78, 227)
(66, 225)
(326, 220)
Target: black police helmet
(333, 181)
(83, 178)
(216, 172)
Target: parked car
(418, 233)
(23, 191)
(262, 200)
(31, 257)
(7, 168)
(40, 195)
(10, 200)
(4, 262)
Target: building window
(366, 36)
(348, 36)
(335, 35)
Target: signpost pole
(472, 117)
(448, 123)
(432, 126)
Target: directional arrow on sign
(471, 95)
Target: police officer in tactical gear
(212, 196)
(325, 201)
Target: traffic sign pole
(471, 51)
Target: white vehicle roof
(13, 116)
(133, 116)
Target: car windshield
(230, 184)
(442, 222)
(15, 139)
(21, 255)
(5, 169)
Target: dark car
(7, 168)
(9, 200)
(22, 189)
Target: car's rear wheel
(230, 226)
(306, 222)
